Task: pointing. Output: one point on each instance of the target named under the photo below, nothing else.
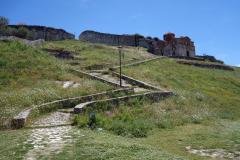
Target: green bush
(135, 102)
(140, 128)
(23, 32)
(95, 121)
(14, 32)
(76, 119)
(148, 37)
(139, 35)
(119, 128)
(5, 31)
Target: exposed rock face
(48, 33)
(36, 42)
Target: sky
(213, 25)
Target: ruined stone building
(170, 46)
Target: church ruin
(171, 46)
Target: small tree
(148, 37)
(156, 38)
(139, 35)
(3, 21)
(23, 32)
(22, 24)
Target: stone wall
(36, 42)
(48, 33)
(20, 120)
(211, 58)
(145, 43)
(81, 73)
(110, 39)
(136, 82)
(153, 96)
(113, 39)
(215, 66)
(187, 58)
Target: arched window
(187, 53)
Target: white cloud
(238, 65)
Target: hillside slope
(202, 118)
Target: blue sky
(212, 24)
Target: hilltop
(202, 115)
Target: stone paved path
(47, 139)
(54, 119)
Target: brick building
(171, 46)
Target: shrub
(82, 123)
(139, 35)
(76, 119)
(156, 38)
(140, 128)
(94, 121)
(119, 128)
(14, 32)
(5, 31)
(23, 32)
(148, 37)
(135, 102)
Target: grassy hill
(203, 113)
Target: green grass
(96, 54)
(199, 92)
(203, 113)
(28, 77)
(12, 146)
(101, 145)
(160, 144)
